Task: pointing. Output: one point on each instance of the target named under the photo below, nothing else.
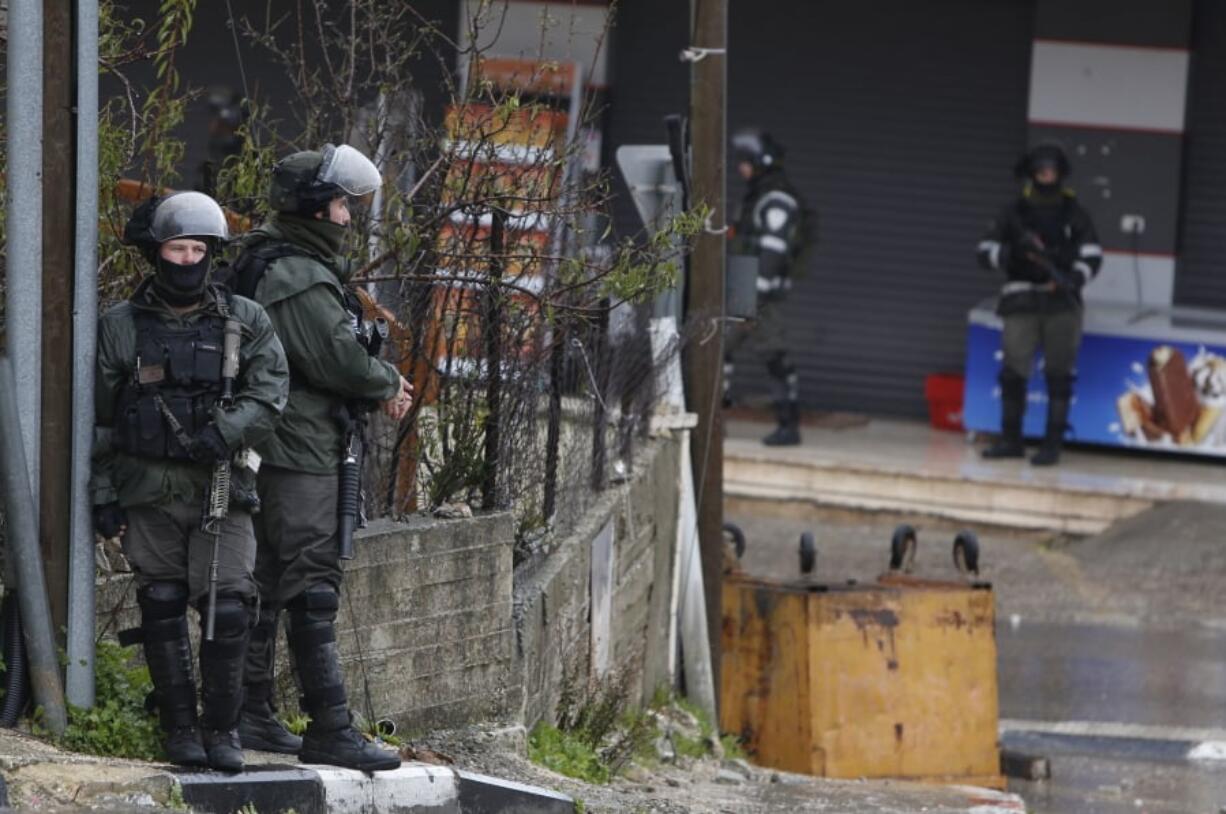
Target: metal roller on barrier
(894, 678)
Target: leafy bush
(118, 725)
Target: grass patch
(566, 753)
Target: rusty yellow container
(889, 679)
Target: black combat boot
(330, 737)
(787, 434)
(168, 653)
(1012, 409)
(1059, 400)
(221, 676)
(259, 728)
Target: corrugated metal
(1200, 277)
(902, 121)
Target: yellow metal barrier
(891, 679)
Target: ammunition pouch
(178, 371)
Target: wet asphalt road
(1162, 680)
(1059, 664)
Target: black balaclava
(182, 285)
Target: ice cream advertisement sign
(1131, 391)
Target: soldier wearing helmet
(294, 265)
(777, 227)
(165, 417)
(1047, 248)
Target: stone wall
(438, 630)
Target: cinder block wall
(426, 621)
(437, 629)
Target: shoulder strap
(251, 264)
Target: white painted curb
(411, 787)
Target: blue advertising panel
(1132, 391)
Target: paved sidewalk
(896, 465)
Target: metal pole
(706, 298)
(24, 220)
(80, 645)
(23, 549)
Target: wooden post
(492, 332)
(59, 183)
(704, 365)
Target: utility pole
(705, 294)
(58, 238)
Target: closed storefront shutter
(1200, 277)
(902, 121)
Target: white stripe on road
(1208, 751)
(1108, 729)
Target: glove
(109, 520)
(208, 447)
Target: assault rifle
(217, 503)
(352, 418)
(1038, 254)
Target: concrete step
(983, 495)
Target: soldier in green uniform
(166, 414)
(301, 280)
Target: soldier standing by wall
(775, 225)
(168, 410)
(1046, 245)
(301, 281)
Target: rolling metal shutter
(647, 83)
(1200, 277)
(902, 122)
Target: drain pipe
(22, 537)
(24, 221)
(81, 567)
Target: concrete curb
(414, 788)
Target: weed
(175, 799)
(732, 747)
(580, 806)
(296, 722)
(566, 753)
(118, 725)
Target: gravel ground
(708, 786)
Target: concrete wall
(437, 629)
(555, 621)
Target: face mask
(181, 285)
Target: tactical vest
(177, 381)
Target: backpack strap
(248, 269)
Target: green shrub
(118, 725)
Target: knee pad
(318, 603)
(162, 600)
(233, 616)
(1012, 385)
(1060, 387)
(779, 366)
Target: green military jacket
(305, 299)
(260, 395)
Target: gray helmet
(188, 214)
(758, 148)
(306, 181)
